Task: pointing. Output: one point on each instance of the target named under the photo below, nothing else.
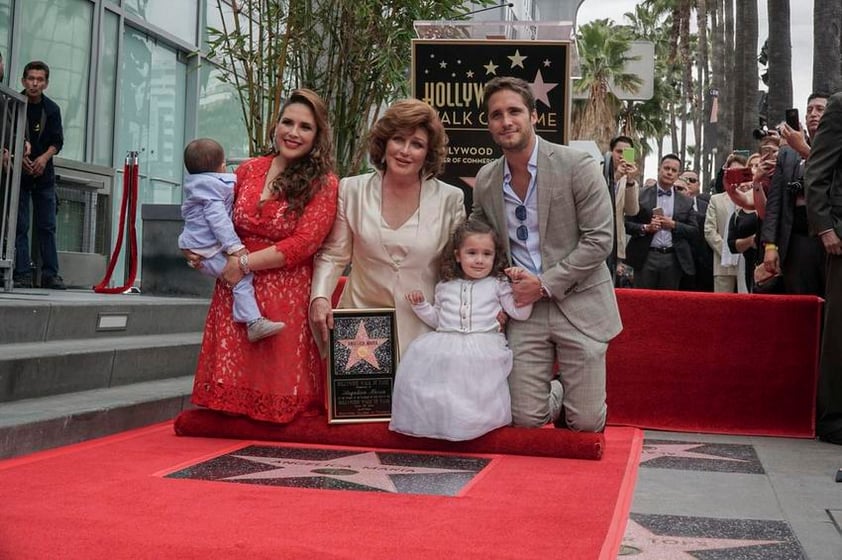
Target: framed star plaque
(361, 364)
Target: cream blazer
(626, 203)
(718, 213)
(375, 278)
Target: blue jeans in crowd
(44, 204)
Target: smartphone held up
(791, 119)
(738, 175)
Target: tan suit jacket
(375, 278)
(576, 227)
(626, 204)
(717, 217)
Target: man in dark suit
(788, 246)
(688, 184)
(823, 189)
(553, 213)
(662, 233)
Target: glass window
(220, 113)
(106, 91)
(152, 92)
(178, 18)
(59, 33)
(5, 44)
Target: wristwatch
(244, 263)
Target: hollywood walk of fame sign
(362, 359)
(450, 76)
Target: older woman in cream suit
(391, 225)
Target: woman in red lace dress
(284, 206)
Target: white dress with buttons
(452, 383)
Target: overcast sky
(801, 14)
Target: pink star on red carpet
(362, 348)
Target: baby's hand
(515, 273)
(415, 297)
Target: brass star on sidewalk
(642, 544)
(682, 450)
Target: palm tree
(745, 74)
(827, 22)
(603, 55)
(700, 163)
(779, 51)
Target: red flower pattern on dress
(280, 377)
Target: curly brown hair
(409, 114)
(449, 268)
(303, 178)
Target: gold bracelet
(768, 246)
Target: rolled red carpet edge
(536, 442)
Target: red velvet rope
(128, 212)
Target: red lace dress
(278, 377)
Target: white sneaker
(262, 328)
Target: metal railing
(12, 123)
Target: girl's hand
(321, 316)
(514, 273)
(415, 297)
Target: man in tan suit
(624, 190)
(552, 210)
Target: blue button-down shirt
(526, 254)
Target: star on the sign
(673, 547)
(470, 181)
(540, 89)
(682, 450)
(490, 68)
(362, 348)
(517, 59)
(469, 73)
(364, 469)
(547, 63)
(443, 64)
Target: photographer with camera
(787, 244)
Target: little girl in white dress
(452, 383)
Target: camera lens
(759, 133)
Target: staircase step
(37, 369)
(31, 425)
(47, 315)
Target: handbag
(766, 282)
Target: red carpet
(107, 499)
(716, 363)
(547, 442)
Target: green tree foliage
(603, 56)
(355, 54)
